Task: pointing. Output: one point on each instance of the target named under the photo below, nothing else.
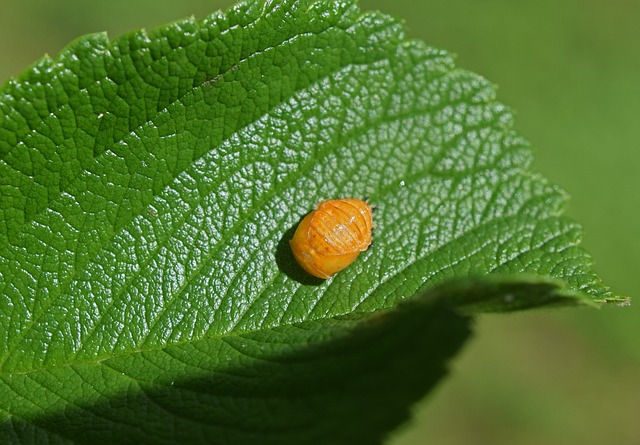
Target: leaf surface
(149, 187)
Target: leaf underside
(148, 189)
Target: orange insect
(332, 236)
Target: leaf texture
(149, 186)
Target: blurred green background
(571, 69)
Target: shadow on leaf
(287, 263)
(340, 380)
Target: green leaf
(149, 186)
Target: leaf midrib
(206, 339)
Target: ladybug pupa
(332, 236)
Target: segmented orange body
(332, 236)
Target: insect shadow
(288, 264)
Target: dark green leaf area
(338, 380)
